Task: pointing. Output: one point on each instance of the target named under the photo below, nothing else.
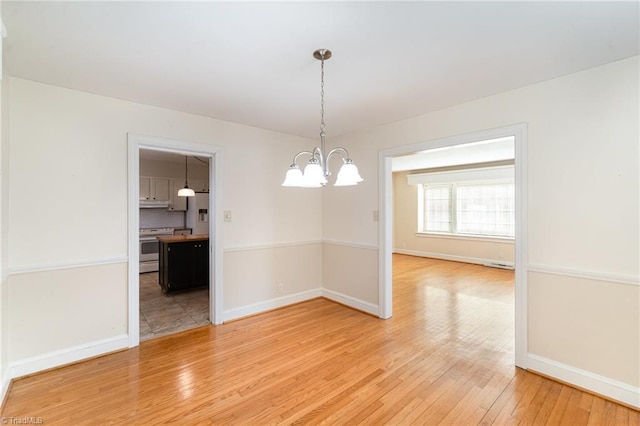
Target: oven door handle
(148, 238)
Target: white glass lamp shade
(186, 192)
(348, 175)
(313, 176)
(293, 177)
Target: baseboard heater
(499, 265)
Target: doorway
(212, 249)
(518, 132)
(166, 215)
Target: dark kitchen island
(184, 262)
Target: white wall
(67, 212)
(265, 269)
(462, 249)
(583, 255)
(169, 169)
(583, 209)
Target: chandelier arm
(340, 151)
(302, 153)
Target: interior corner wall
(583, 209)
(67, 212)
(461, 249)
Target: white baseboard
(352, 302)
(595, 383)
(67, 356)
(280, 302)
(454, 258)
(78, 353)
(271, 304)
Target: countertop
(182, 238)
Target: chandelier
(317, 171)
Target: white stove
(149, 248)
(156, 231)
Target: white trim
(601, 385)
(465, 259)
(133, 243)
(6, 382)
(521, 245)
(67, 356)
(589, 275)
(385, 234)
(135, 142)
(249, 247)
(350, 244)
(216, 258)
(501, 174)
(352, 302)
(67, 265)
(385, 206)
(268, 305)
(484, 238)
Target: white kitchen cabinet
(145, 188)
(176, 203)
(154, 189)
(160, 189)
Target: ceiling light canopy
(317, 171)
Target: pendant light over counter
(186, 191)
(317, 171)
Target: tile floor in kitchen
(161, 315)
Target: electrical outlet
(281, 288)
(501, 255)
(227, 215)
(376, 215)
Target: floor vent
(499, 265)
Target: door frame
(135, 142)
(385, 230)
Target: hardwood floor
(446, 357)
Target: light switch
(227, 215)
(376, 215)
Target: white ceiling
(252, 63)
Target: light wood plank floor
(446, 357)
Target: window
(437, 217)
(470, 208)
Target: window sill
(505, 240)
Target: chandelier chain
(322, 95)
